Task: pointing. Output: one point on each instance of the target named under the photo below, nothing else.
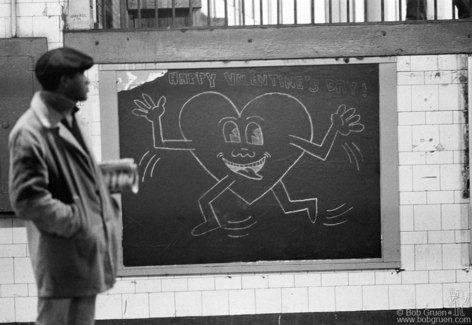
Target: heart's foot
(205, 227)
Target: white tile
(440, 197)
(451, 136)
(14, 290)
(411, 118)
(455, 256)
(281, 281)
(54, 9)
(5, 10)
(407, 257)
(437, 77)
(7, 310)
(412, 198)
(148, 285)
(425, 137)
(49, 27)
(459, 117)
(463, 275)
(428, 257)
(32, 290)
(135, 305)
(255, 281)
(109, 307)
(404, 98)
(308, 280)
(26, 309)
(295, 300)
(424, 62)
(462, 236)
(413, 237)
(242, 302)
(201, 283)
(171, 284)
(451, 177)
(441, 237)
(425, 98)
(412, 158)
(429, 296)
(450, 97)
(448, 62)
(268, 301)
(442, 276)
(215, 303)
(454, 216)
(321, 299)
(439, 157)
(387, 277)
(375, 297)
(439, 117)
(456, 295)
(410, 78)
(405, 181)
(427, 217)
(13, 250)
(403, 63)
(334, 279)
(348, 298)
(228, 283)
(402, 296)
(406, 218)
(361, 278)
(415, 277)
(31, 9)
(188, 304)
(25, 26)
(23, 270)
(162, 304)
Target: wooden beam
(284, 42)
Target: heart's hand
(346, 121)
(148, 109)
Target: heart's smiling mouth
(247, 170)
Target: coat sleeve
(29, 194)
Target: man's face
(76, 87)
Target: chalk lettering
(314, 86)
(173, 78)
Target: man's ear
(62, 85)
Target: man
(57, 188)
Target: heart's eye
(254, 134)
(231, 132)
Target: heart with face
(250, 145)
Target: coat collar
(51, 109)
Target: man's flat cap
(61, 61)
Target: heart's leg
(211, 219)
(292, 206)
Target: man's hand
(346, 121)
(148, 109)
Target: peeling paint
(131, 79)
(439, 147)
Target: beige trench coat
(72, 221)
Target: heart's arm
(161, 143)
(320, 151)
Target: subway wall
(435, 235)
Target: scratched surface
(251, 164)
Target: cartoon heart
(249, 145)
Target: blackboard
(251, 164)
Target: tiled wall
(435, 233)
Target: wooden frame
(389, 168)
